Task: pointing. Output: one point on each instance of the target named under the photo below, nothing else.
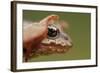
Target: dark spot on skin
(66, 38)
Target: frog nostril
(66, 38)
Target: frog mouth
(53, 46)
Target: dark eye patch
(52, 32)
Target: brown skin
(33, 36)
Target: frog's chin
(52, 48)
(48, 46)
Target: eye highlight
(53, 32)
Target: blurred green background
(79, 32)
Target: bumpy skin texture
(35, 33)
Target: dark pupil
(52, 32)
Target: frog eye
(53, 32)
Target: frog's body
(55, 41)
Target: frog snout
(66, 39)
